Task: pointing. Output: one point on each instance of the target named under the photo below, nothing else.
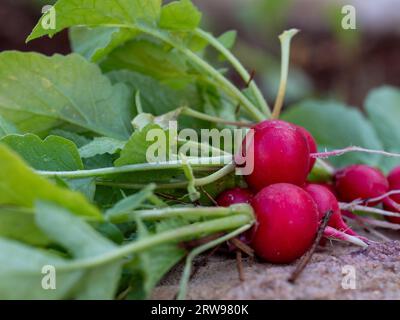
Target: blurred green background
(327, 61)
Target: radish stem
(238, 67)
(356, 207)
(175, 235)
(175, 164)
(285, 39)
(189, 213)
(229, 168)
(202, 116)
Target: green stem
(225, 84)
(199, 250)
(199, 115)
(175, 185)
(285, 39)
(204, 147)
(238, 67)
(176, 164)
(189, 213)
(191, 231)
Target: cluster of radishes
(289, 209)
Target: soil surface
(377, 276)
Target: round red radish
(234, 196)
(393, 206)
(280, 155)
(394, 183)
(312, 145)
(392, 203)
(360, 182)
(287, 220)
(326, 201)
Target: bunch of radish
(288, 208)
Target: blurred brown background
(326, 60)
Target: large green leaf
(383, 108)
(96, 43)
(101, 145)
(157, 98)
(21, 187)
(180, 15)
(82, 241)
(61, 90)
(151, 58)
(97, 12)
(335, 126)
(52, 154)
(21, 273)
(18, 224)
(21, 267)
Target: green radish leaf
(130, 203)
(96, 43)
(228, 39)
(22, 280)
(19, 224)
(99, 146)
(52, 154)
(81, 97)
(336, 126)
(136, 148)
(150, 58)
(85, 186)
(20, 186)
(383, 109)
(98, 12)
(76, 138)
(6, 127)
(82, 241)
(180, 15)
(157, 98)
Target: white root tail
(333, 234)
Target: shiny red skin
(394, 183)
(326, 201)
(281, 155)
(388, 204)
(287, 220)
(234, 196)
(312, 145)
(360, 182)
(329, 186)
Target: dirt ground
(377, 276)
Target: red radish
(326, 201)
(312, 145)
(360, 182)
(392, 203)
(327, 185)
(234, 196)
(393, 206)
(394, 183)
(287, 220)
(280, 155)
